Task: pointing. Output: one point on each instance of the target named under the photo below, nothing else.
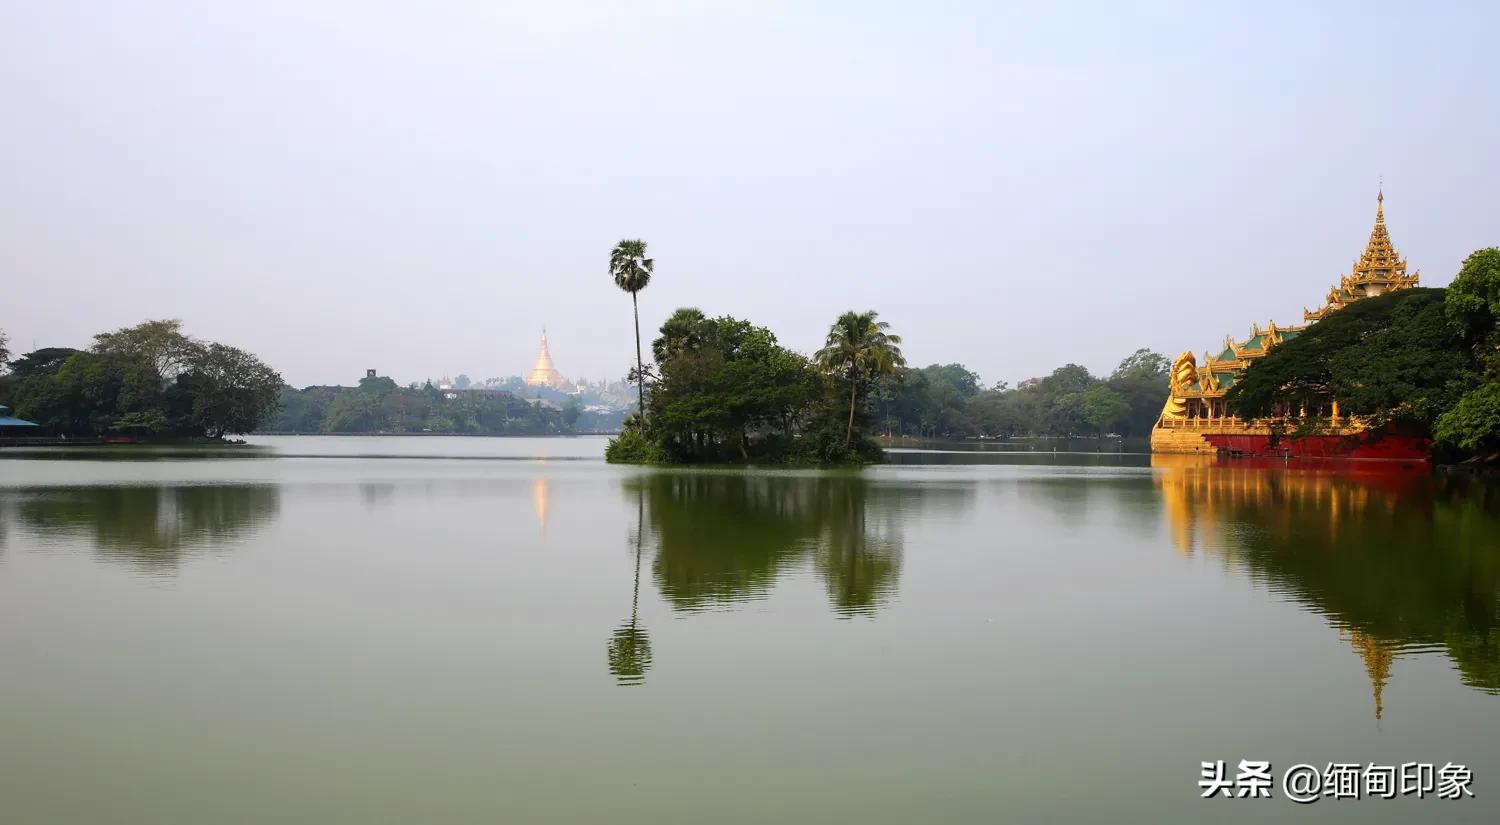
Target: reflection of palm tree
(859, 569)
(629, 646)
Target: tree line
(949, 401)
(380, 405)
(149, 380)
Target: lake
(386, 629)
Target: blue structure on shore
(13, 426)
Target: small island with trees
(149, 381)
(722, 390)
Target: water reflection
(148, 527)
(725, 538)
(722, 539)
(629, 646)
(1399, 560)
(539, 499)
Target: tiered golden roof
(1379, 269)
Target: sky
(420, 188)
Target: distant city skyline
(334, 185)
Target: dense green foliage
(379, 405)
(947, 401)
(1473, 425)
(1473, 308)
(1473, 299)
(1392, 359)
(726, 391)
(633, 446)
(145, 380)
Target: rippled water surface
(509, 630)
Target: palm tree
(631, 270)
(859, 349)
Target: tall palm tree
(859, 349)
(631, 270)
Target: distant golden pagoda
(1195, 415)
(543, 374)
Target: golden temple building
(1195, 416)
(543, 374)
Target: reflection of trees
(629, 646)
(150, 526)
(724, 538)
(1394, 558)
(859, 563)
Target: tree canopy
(1473, 309)
(1473, 299)
(147, 380)
(725, 389)
(949, 401)
(1390, 359)
(379, 405)
(859, 350)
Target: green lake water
(405, 630)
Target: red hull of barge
(1390, 446)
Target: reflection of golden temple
(1203, 496)
(1195, 402)
(543, 374)
(1378, 657)
(1200, 492)
(539, 501)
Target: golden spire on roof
(1379, 269)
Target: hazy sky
(420, 187)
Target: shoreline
(439, 435)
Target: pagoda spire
(543, 374)
(1380, 268)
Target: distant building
(543, 374)
(15, 426)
